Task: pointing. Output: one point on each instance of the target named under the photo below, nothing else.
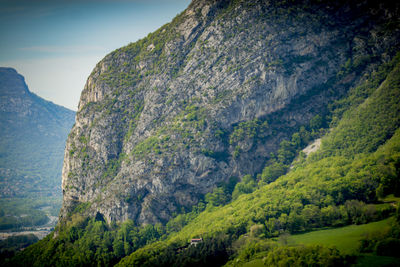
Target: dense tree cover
(212, 251)
(274, 255)
(245, 186)
(365, 128)
(385, 242)
(279, 163)
(306, 256)
(89, 242)
(12, 244)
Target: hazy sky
(55, 44)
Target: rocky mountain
(234, 126)
(210, 96)
(32, 140)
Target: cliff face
(32, 139)
(208, 96)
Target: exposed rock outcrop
(160, 121)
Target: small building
(195, 241)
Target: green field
(346, 239)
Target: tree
(246, 186)
(286, 152)
(118, 248)
(316, 123)
(217, 197)
(271, 172)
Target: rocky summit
(208, 98)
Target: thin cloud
(27, 10)
(63, 49)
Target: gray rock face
(160, 121)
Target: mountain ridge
(29, 125)
(161, 119)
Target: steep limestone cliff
(208, 96)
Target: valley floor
(40, 232)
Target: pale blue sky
(55, 44)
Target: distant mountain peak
(32, 137)
(11, 82)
